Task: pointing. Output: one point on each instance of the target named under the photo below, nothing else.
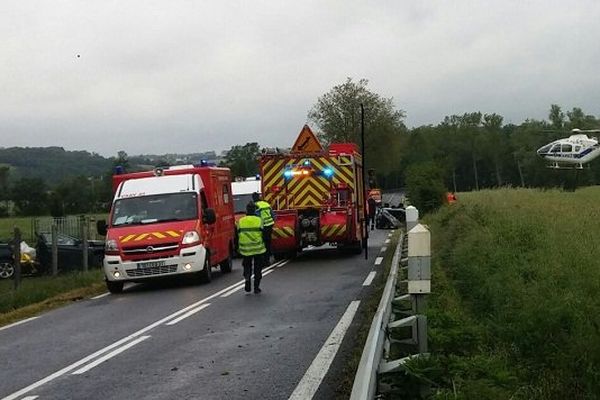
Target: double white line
(129, 341)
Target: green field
(515, 304)
(25, 224)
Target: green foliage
(425, 187)
(243, 160)
(337, 115)
(30, 196)
(513, 313)
(52, 164)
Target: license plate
(151, 264)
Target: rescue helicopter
(572, 152)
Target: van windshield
(240, 201)
(155, 208)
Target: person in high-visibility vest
(266, 214)
(251, 245)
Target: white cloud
(189, 76)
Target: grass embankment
(514, 309)
(40, 294)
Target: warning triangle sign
(307, 142)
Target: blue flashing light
(306, 163)
(258, 177)
(287, 174)
(328, 172)
(119, 170)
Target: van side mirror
(101, 227)
(209, 216)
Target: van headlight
(190, 237)
(111, 246)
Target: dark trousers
(267, 232)
(247, 262)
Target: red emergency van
(170, 221)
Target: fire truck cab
(171, 221)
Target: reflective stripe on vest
(264, 210)
(250, 236)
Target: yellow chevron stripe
(141, 237)
(310, 192)
(289, 230)
(158, 235)
(342, 230)
(126, 238)
(272, 167)
(173, 233)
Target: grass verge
(515, 296)
(41, 294)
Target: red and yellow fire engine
(316, 193)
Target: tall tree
(556, 116)
(338, 118)
(30, 196)
(243, 160)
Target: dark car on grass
(70, 255)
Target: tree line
(471, 151)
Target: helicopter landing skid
(572, 166)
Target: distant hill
(52, 164)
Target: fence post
(17, 256)
(84, 243)
(54, 249)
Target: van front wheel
(114, 287)
(206, 273)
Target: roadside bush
(425, 186)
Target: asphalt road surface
(182, 340)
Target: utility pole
(364, 187)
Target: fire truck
(316, 193)
(170, 221)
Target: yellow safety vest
(264, 210)
(250, 236)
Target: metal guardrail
(365, 380)
(411, 258)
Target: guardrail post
(419, 277)
(54, 249)
(17, 256)
(84, 243)
(412, 217)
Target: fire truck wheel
(227, 263)
(206, 273)
(114, 287)
(7, 270)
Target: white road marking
(383, 249)
(370, 278)
(30, 398)
(389, 235)
(110, 355)
(100, 296)
(387, 241)
(311, 380)
(378, 260)
(92, 356)
(18, 323)
(188, 314)
(266, 271)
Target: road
(181, 340)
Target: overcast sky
(188, 76)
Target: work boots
(248, 286)
(257, 286)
